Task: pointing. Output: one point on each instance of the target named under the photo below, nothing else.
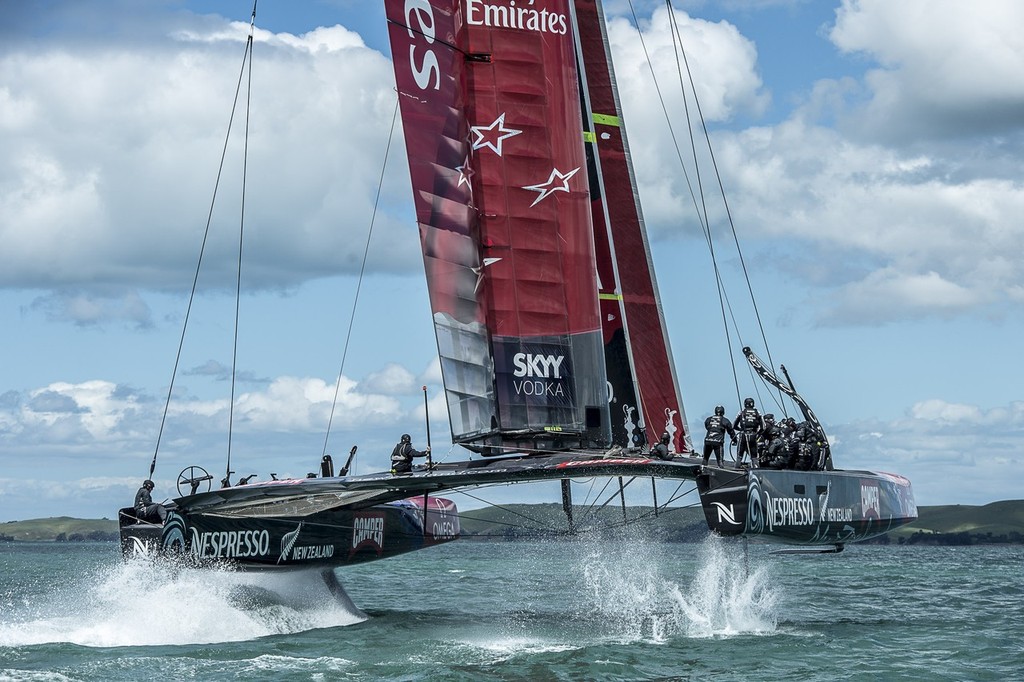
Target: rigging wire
(677, 39)
(241, 233)
(498, 506)
(721, 186)
(701, 217)
(359, 283)
(728, 313)
(202, 251)
(545, 529)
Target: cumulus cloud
(942, 412)
(291, 403)
(101, 414)
(938, 442)
(111, 152)
(947, 68)
(734, 88)
(887, 296)
(89, 432)
(393, 379)
(108, 170)
(891, 235)
(431, 375)
(880, 228)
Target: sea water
(584, 609)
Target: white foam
(519, 645)
(154, 602)
(32, 676)
(495, 650)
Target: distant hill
(998, 522)
(961, 524)
(60, 529)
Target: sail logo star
(493, 135)
(556, 182)
(465, 173)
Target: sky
(869, 150)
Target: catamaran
(553, 346)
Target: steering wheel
(191, 478)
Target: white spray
(639, 593)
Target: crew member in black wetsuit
(144, 507)
(748, 424)
(770, 443)
(789, 450)
(403, 454)
(717, 426)
(811, 444)
(661, 449)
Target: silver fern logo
(823, 502)
(288, 542)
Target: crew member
(790, 449)
(748, 423)
(403, 454)
(770, 444)
(661, 450)
(717, 426)
(144, 507)
(813, 446)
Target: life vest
(716, 426)
(750, 419)
(400, 453)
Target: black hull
(325, 539)
(805, 507)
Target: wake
(150, 601)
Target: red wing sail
(492, 115)
(636, 341)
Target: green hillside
(60, 527)
(995, 522)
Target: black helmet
(769, 417)
(406, 438)
(749, 402)
(148, 484)
(719, 410)
(665, 437)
